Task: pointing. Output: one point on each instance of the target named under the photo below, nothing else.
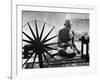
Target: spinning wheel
(38, 44)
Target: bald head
(67, 24)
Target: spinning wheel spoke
(34, 60)
(45, 46)
(48, 34)
(42, 31)
(28, 36)
(31, 31)
(45, 58)
(27, 41)
(49, 54)
(36, 29)
(49, 39)
(28, 58)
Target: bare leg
(73, 45)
